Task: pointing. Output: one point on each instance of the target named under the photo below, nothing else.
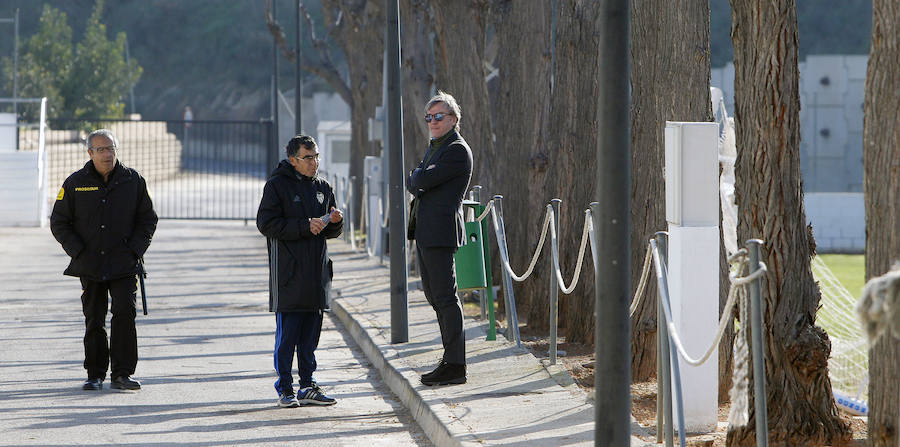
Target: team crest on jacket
(320, 196)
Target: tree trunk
(522, 117)
(459, 70)
(418, 76)
(571, 153)
(801, 410)
(360, 35)
(670, 82)
(881, 157)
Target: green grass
(850, 270)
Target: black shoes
(125, 383)
(445, 374)
(92, 385)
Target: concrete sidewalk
(205, 354)
(510, 397)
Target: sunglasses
(308, 157)
(437, 117)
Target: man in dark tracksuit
(439, 184)
(296, 214)
(104, 219)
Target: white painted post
(692, 213)
(374, 237)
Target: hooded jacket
(105, 227)
(299, 267)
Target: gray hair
(104, 133)
(450, 101)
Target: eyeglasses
(308, 157)
(104, 149)
(437, 117)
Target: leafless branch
(326, 69)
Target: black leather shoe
(125, 383)
(446, 374)
(437, 370)
(92, 385)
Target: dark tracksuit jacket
(299, 268)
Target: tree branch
(325, 70)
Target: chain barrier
(487, 209)
(537, 252)
(642, 285)
(736, 282)
(555, 250)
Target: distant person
(297, 214)
(104, 219)
(439, 183)
(188, 117)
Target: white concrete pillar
(7, 132)
(692, 213)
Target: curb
(431, 424)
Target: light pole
(397, 193)
(612, 376)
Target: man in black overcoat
(439, 184)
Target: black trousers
(439, 283)
(120, 352)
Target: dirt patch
(579, 361)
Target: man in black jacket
(296, 214)
(439, 184)
(104, 219)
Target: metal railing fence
(194, 169)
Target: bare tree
(459, 70)
(881, 157)
(801, 410)
(357, 27)
(521, 119)
(571, 151)
(418, 75)
(670, 82)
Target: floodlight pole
(612, 377)
(298, 90)
(397, 193)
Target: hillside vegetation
(217, 55)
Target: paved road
(206, 361)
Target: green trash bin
(470, 261)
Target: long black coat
(104, 226)
(440, 188)
(299, 268)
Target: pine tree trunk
(800, 405)
(670, 82)
(521, 119)
(418, 76)
(881, 158)
(571, 153)
(459, 70)
(360, 35)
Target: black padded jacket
(103, 226)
